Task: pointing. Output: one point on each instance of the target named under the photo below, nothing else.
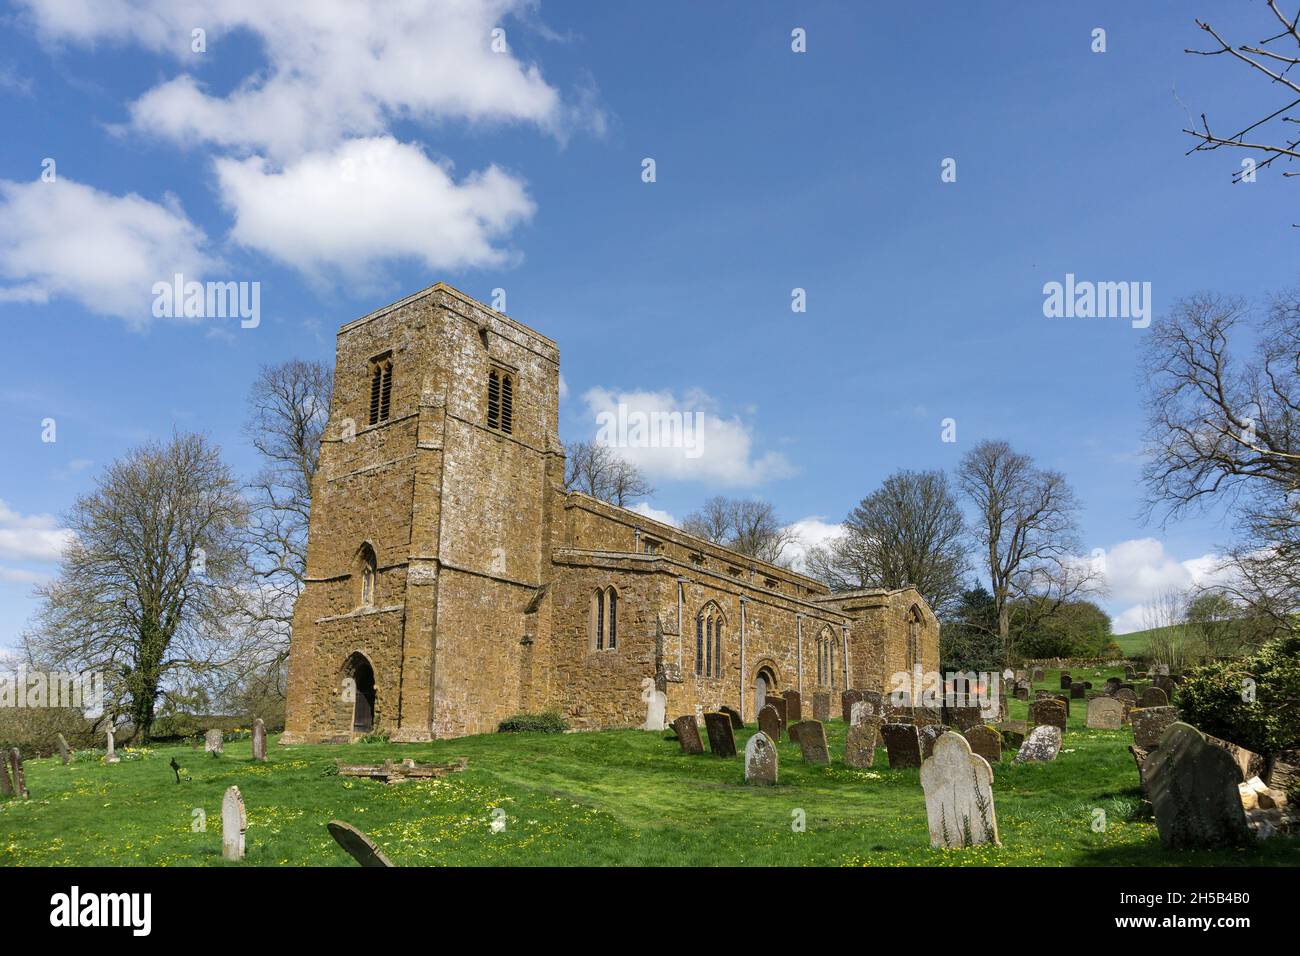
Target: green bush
(1211, 697)
(550, 722)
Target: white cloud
(1140, 569)
(368, 200)
(808, 533)
(712, 449)
(66, 239)
(30, 537)
(331, 70)
(654, 514)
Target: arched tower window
(366, 566)
(381, 390)
(603, 624)
(501, 401)
(709, 625)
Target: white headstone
(233, 824)
(958, 789)
(214, 742)
(110, 753)
(656, 705)
(760, 760)
(1042, 744)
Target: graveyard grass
(617, 797)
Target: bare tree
(1026, 527)
(907, 532)
(1164, 617)
(1264, 133)
(599, 471)
(148, 588)
(746, 525)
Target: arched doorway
(362, 677)
(764, 684)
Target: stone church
(452, 581)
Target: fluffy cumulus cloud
(1140, 570)
(30, 538)
(67, 239)
(332, 69)
(684, 438)
(810, 532)
(369, 200)
(654, 514)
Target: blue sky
(344, 160)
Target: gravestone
(1065, 681)
(1126, 694)
(1022, 690)
(822, 706)
(110, 748)
(1078, 690)
(860, 742)
(1249, 764)
(812, 742)
(656, 705)
(927, 716)
(1112, 685)
(794, 732)
(1105, 713)
(769, 722)
(359, 846)
(1153, 697)
(214, 742)
(929, 734)
(965, 717)
(1042, 744)
(1192, 785)
(722, 739)
(1065, 702)
(6, 788)
(986, 742)
(1048, 711)
(761, 760)
(902, 744)
(233, 824)
(793, 706)
(778, 704)
(1129, 672)
(259, 739)
(1150, 723)
(688, 734)
(1166, 684)
(861, 711)
(16, 769)
(847, 700)
(875, 702)
(1037, 675)
(958, 787)
(734, 715)
(64, 754)
(1013, 733)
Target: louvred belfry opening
(494, 400)
(507, 404)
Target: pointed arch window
(501, 401)
(709, 625)
(381, 390)
(366, 568)
(603, 624)
(826, 658)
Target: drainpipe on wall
(681, 638)
(744, 690)
(798, 644)
(845, 630)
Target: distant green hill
(1137, 644)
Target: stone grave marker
(233, 824)
(110, 748)
(1126, 694)
(778, 704)
(847, 700)
(860, 742)
(1249, 764)
(793, 706)
(1105, 713)
(656, 705)
(733, 715)
(1150, 723)
(1111, 685)
(259, 740)
(1013, 733)
(1037, 675)
(1166, 684)
(6, 787)
(214, 742)
(761, 761)
(822, 706)
(1048, 711)
(722, 738)
(16, 769)
(1065, 681)
(1192, 785)
(1042, 744)
(963, 717)
(958, 787)
(1129, 672)
(769, 722)
(1153, 697)
(902, 744)
(1022, 690)
(812, 742)
(359, 846)
(986, 742)
(929, 734)
(688, 734)
(64, 754)
(1077, 690)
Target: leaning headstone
(1042, 744)
(769, 722)
(1153, 697)
(822, 706)
(1078, 690)
(985, 741)
(214, 742)
(793, 706)
(778, 704)
(259, 739)
(688, 734)
(1249, 764)
(1105, 713)
(16, 768)
(6, 788)
(359, 846)
(733, 715)
(1150, 723)
(110, 748)
(761, 760)
(847, 700)
(902, 744)
(1048, 711)
(929, 734)
(64, 753)
(1065, 681)
(722, 739)
(958, 787)
(812, 742)
(233, 824)
(860, 742)
(1193, 789)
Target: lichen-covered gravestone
(928, 735)
(1105, 713)
(847, 700)
(110, 748)
(902, 744)
(64, 754)
(777, 703)
(1036, 675)
(769, 722)
(359, 846)
(1042, 745)
(1048, 711)
(793, 706)
(16, 768)
(860, 741)
(812, 742)
(1150, 724)
(259, 739)
(214, 742)
(1192, 785)
(688, 734)
(822, 706)
(233, 824)
(6, 788)
(760, 760)
(985, 741)
(958, 787)
(722, 739)
(1153, 697)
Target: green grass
(1135, 644)
(616, 797)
